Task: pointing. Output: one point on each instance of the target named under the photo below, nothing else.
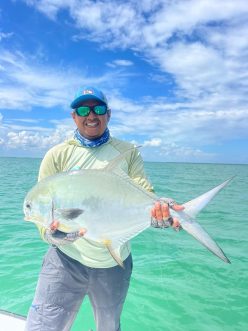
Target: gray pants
(62, 285)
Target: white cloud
(154, 142)
(201, 44)
(184, 153)
(34, 139)
(48, 7)
(119, 63)
(155, 21)
(5, 35)
(193, 124)
(117, 23)
(188, 63)
(26, 83)
(155, 122)
(164, 132)
(156, 149)
(24, 120)
(165, 33)
(28, 140)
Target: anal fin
(107, 244)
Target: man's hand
(56, 237)
(160, 214)
(54, 226)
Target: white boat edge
(11, 321)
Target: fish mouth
(33, 219)
(27, 219)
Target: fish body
(109, 205)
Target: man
(74, 267)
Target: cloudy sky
(175, 73)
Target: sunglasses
(85, 110)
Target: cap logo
(87, 92)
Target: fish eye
(28, 205)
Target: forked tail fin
(193, 207)
(197, 231)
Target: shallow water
(176, 284)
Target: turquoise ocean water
(176, 284)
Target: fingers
(165, 211)
(176, 224)
(82, 232)
(54, 225)
(161, 218)
(160, 215)
(160, 211)
(172, 204)
(177, 207)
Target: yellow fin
(117, 258)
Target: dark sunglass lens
(83, 111)
(100, 109)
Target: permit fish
(110, 206)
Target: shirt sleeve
(49, 165)
(137, 173)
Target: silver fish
(109, 205)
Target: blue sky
(175, 73)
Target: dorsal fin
(193, 207)
(114, 163)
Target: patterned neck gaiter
(92, 143)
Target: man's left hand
(160, 214)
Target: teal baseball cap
(88, 93)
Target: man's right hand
(56, 237)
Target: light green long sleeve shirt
(70, 155)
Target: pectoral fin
(69, 213)
(117, 258)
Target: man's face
(93, 125)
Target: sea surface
(177, 284)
